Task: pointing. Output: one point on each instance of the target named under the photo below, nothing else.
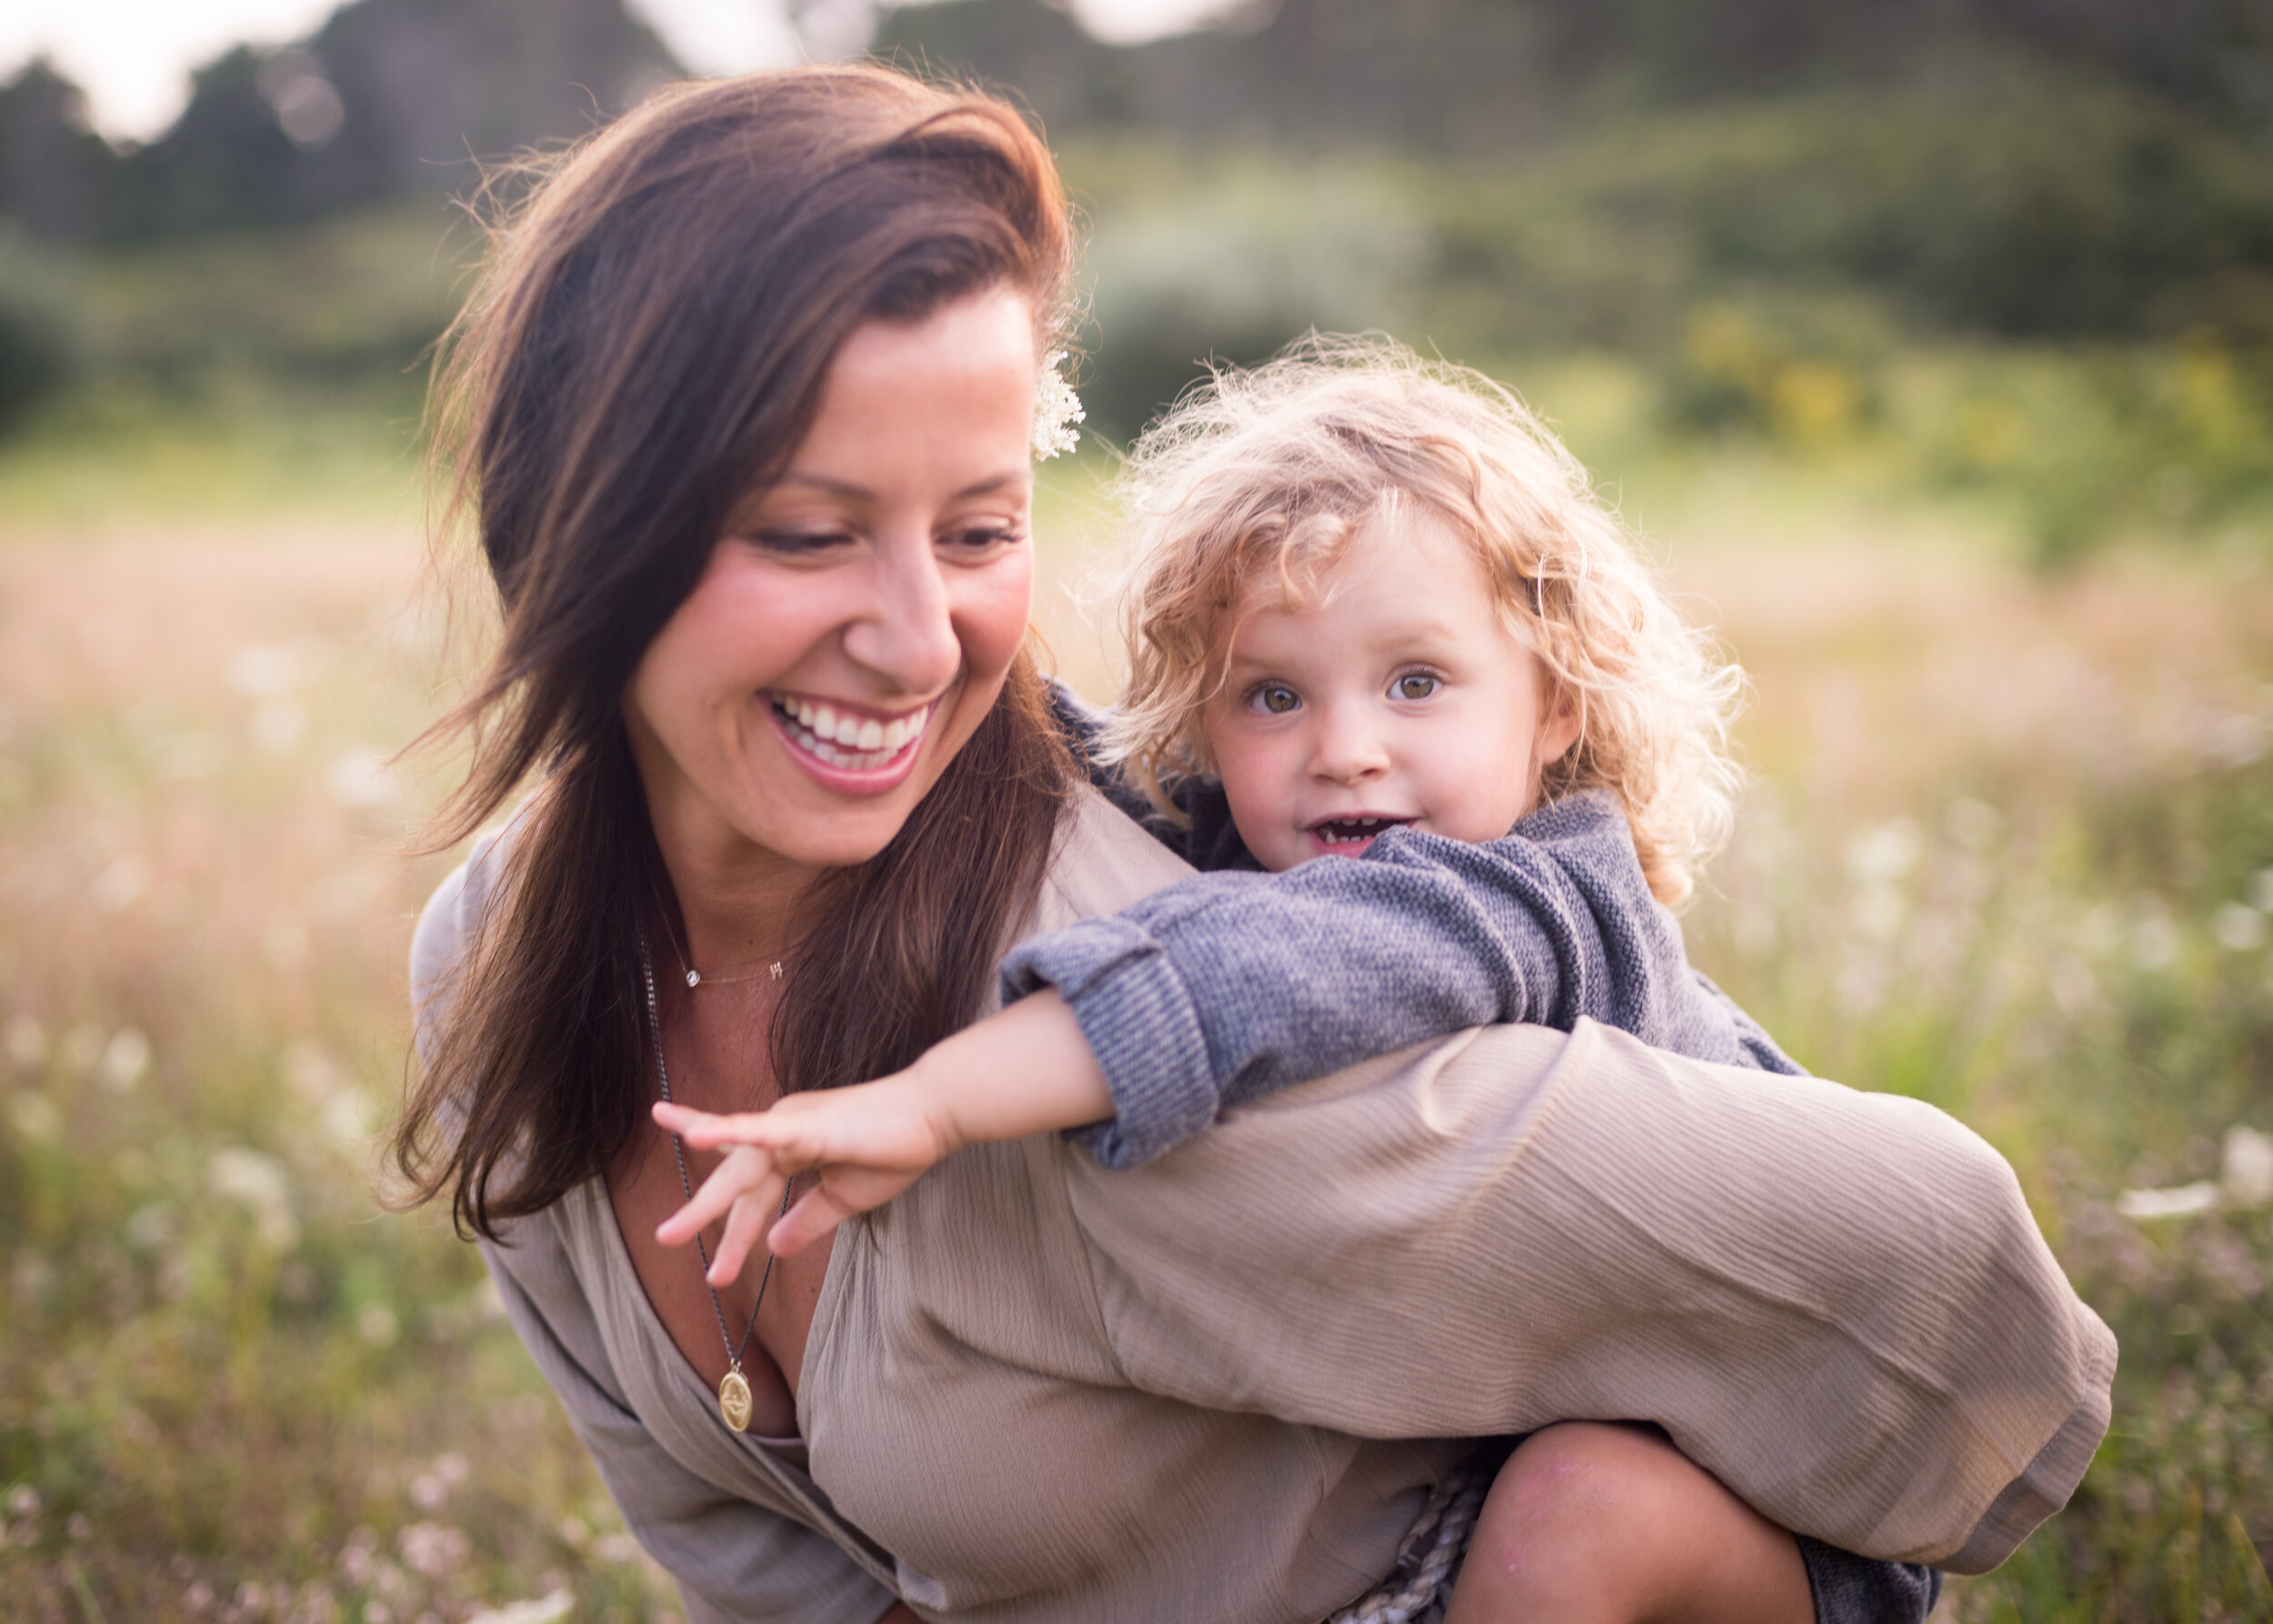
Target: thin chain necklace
(734, 1389)
(695, 977)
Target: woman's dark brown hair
(647, 345)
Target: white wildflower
(125, 1058)
(360, 780)
(2184, 1200)
(2246, 1170)
(2239, 928)
(548, 1609)
(1057, 408)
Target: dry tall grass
(2012, 848)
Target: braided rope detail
(1420, 1588)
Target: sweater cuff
(1141, 1024)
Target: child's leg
(1594, 1524)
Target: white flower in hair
(1057, 408)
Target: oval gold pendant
(734, 1401)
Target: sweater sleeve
(1228, 985)
(1836, 1302)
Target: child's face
(1397, 694)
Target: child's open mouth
(1349, 836)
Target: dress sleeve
(1228, 985)
(1836, 1302)
(731, 1561)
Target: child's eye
(1415, 685)
(1276, 698)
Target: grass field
(2009, 847)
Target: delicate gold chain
(679, 1153)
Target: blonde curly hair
(1277, 467)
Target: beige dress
(1219, 1386)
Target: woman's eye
(800, 544)
(1274, 698)
(982, 539)
(1417, 684)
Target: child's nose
(1346, 749)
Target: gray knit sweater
(1232, 984)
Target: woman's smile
(849, 747)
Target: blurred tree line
(389, 100)
(1774, 206)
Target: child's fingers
(707, 1129)
(816, 1215)
(745, 1226)
(791, 1136)
(743, 1170)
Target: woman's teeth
(860, 743)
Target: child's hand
(870, 1143)
(1027, 1070)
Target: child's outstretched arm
(1025, 1070)
(1228, 985)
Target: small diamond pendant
(734, 1399)
(693, 977)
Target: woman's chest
(713, 1328)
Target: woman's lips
(855, 751)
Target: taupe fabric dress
(1219, 1386)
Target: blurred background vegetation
(1928, 342)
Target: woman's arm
(1837, 1303)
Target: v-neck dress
(1219, 1386)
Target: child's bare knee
(1555, 1535)
(1606, 1524)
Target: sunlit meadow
(2009, 847)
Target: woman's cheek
(994, 622)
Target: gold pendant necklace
(734, 1403)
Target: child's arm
(1025, 1070)
(1228, 985)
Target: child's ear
(1559, 721)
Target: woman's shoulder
(447, 923)
(1101, 861)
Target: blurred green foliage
(2031, 284)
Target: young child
(1375, 614)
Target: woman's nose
(905, 631)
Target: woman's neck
(739, 904)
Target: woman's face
(855, 621)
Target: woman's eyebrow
(846, 490)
